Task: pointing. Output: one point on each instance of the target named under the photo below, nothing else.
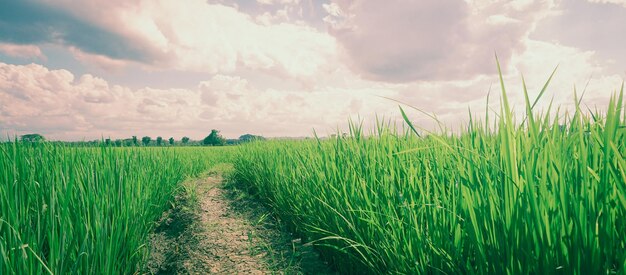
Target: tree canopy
(146, 140)
(214, 139)
(32, 138)
(250, 137)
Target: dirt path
(225, 246)
(225, 235)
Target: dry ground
(218, 231)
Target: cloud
(23, 51)
(269, 74)
(196, 37)
(617, 2)
(100, 61)
(33, 22)
(273, 2)
(589, 26)
(429, 40)
(34, 98)
(577, 69)
(60, 105)
(230, 39)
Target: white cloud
(500, 19)
(213, 38)
(34, 98)
(269, 75)
(57, 104)
(98, 60)
(617, 2)
(589, 26)
(450, 100)
(430, 40)
(24, 51)
(333, 9)
(575, 68)
(283, 2)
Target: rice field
(539, 194)
(66, 210)
(543, 193)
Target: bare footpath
(213, 230)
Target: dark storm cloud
(32, 22)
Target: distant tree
(214, 139)
(230, 141)
(185, 140)
(128, 142)
(32, 138)
(249, 137)
(159, 141)
(171, 141)
(135, 143)
(107, 142)
(146, 140)
(118, 142)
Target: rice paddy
(545, 194)
(542, 194)
(87, 210)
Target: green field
(87, 210)
(543, 195)
(540, 194)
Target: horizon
(72, 71)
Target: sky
(81, 70)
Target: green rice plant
(87, 210)
(546, 195)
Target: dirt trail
(223, 235)
(225, 240)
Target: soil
(219, 231)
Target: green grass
(87, 210)
(542, 195)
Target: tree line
(213, 139)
